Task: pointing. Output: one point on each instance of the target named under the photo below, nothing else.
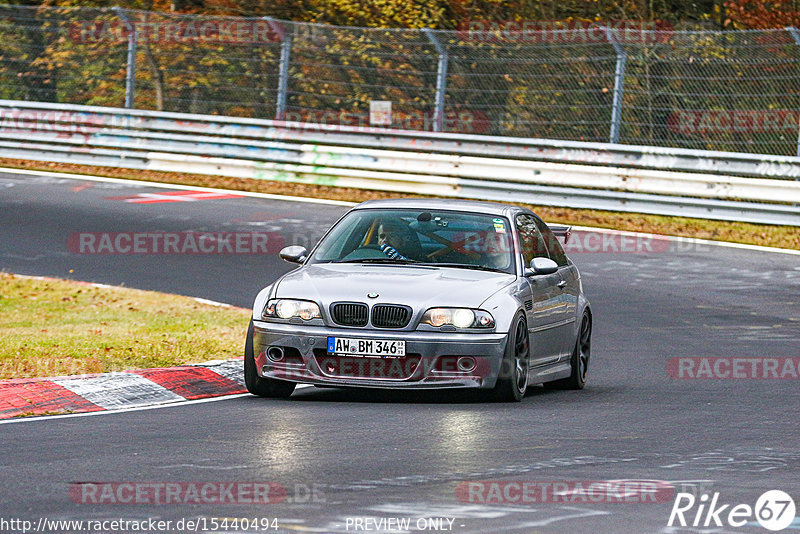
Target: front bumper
(430, 360)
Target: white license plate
(378, 348)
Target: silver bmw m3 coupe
(424, 294)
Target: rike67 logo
(774, 510)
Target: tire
(580, 358)
(512, 382)
(263, 387)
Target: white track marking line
(90, 178)
(215, 303)
(683, 239)
(142, 198)
(312, 200)
(107, 286)
(34, 418)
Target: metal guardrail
(711, 185)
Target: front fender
(505, 304)
(261, 300)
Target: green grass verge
(752, 234)
(61, 327)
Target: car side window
(530, 239)
(553, 244)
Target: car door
(545, 307)
(569, 289)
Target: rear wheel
(512, 383)
(580, 358)
(263, 387)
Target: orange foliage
(762, 14)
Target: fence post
(441, 80)
(619, 86)
(130, 70)
(795, 33)
(283, 75)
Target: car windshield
(443, 238)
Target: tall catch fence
(732, 91)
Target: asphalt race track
(345, 456)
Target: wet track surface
(347, 454)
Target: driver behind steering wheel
(392, 239)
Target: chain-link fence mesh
(733, 90)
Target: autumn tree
(761, 14)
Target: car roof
(473, 206)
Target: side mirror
(294, 254)
(541, 266)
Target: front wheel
(580, 358)
(512, 382)
(263, 387)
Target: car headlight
(458, 317)
(288, 308)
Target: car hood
(415, 286)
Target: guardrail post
(441, 80)
(130, 70)
(619, 85)
(795, 33)
(283, 76)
